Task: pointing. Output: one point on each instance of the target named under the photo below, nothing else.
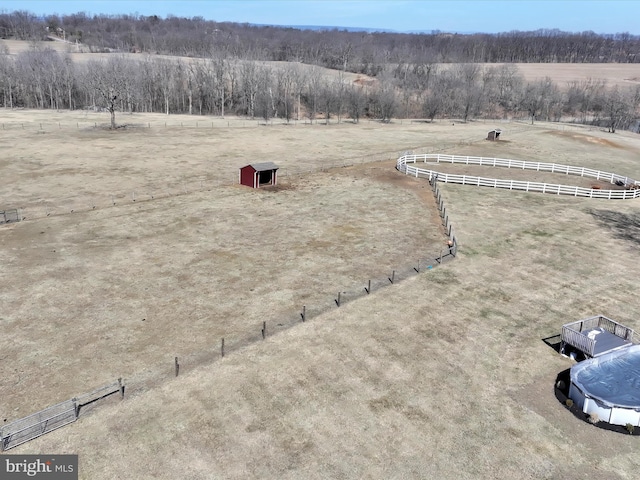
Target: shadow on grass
(561, 391)
(553, 342)
(624, 226)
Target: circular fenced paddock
(631, 187)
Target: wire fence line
(25, 429)
(59, 415)
(202, 123)
(42, 208)
(199, 122)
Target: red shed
(257, 175)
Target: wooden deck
(605, 342)
(595, 336)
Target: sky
(463, 16)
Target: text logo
(49, 467)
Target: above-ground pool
(609, 386)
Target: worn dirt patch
(589, 139)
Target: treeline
(357, 52)
(221, 85)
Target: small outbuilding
(258, 175)
(494, 134)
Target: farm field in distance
(621, 74)
(442, 375)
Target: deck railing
(572, 332)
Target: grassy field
(443, 375)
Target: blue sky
(600, 16)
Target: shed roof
(261, 167)
(495, 130)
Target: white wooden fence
(631, 192)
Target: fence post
(368, 289)
(121, 387)
(264, 329)
(177, 367)
(393, 276)
(76, 407)
(303, 314)
(338, 299)
(417, 269)
(222, 348)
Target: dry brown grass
(444, 375)
(621, 74)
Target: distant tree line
(359, 52)
(229, 74)
(46, 79)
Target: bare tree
(288, 78)
(552, 101)
(327, 100)
(221, 67)
(203, 84)
(356, 102)
(31, 69)
(108, 80)
(384, 99)
(314, 86)
(507, 86)
(466, 77)
(265, 101)
(582, 98)
(435, 101)
(620, 106)
(7, 79)
(250, 86)
(164, 77)
(533, 98)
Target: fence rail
(30, 427)
(633, 191)
(51, 418)
(8, 216)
